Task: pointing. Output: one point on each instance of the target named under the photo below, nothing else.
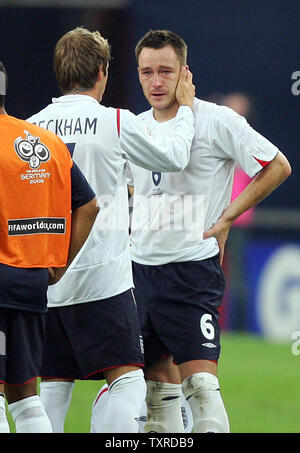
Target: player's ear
(100, 73)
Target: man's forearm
(260, 187)
(83, 220)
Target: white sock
(163, 408)
(99, 407)
(29, 416)
(98, 410)
(187, 416)
(56, 397)
(203, 395)
(126, 396)
(4, 426)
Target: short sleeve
(232, 137)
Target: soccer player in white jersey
(93, 327)
(180, 223)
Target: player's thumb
(208, 234)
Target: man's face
(159, 73)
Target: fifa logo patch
(31, 150)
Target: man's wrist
(186, 105)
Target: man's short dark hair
(2, 96)
(157, 39)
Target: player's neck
(165, 114)
(2, 111)
(93, 93)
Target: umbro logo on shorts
(141, 344)
(209, 345)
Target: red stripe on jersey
(100, 394)
(118, 121)
(263, 163)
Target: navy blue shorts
(83, 340)
(178, 308)
(22, 336)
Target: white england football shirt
(101, 143)
(171, 211)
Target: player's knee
(202, 391)
(199, 382)
(162, 393)
(133, 383)
(164, 370)
(15, 393)
(126, 397)
(29, 416)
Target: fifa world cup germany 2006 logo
(31, 150)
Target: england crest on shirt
(156, 179)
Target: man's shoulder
(214, 114)
(213, 110)
(46, 111)
(146, 114)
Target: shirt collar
(68, 98)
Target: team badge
(156, 177)
(31, 150)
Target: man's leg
(56, 395)
(163, 398)
(126, 396)
(200, 386)
(99, 405)
(25, 330)
(27, 411)
(58, 362)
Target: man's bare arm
(267, 180)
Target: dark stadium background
(251, 46)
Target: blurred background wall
(251, 47)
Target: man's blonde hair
(77, 57)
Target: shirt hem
(86, 301)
